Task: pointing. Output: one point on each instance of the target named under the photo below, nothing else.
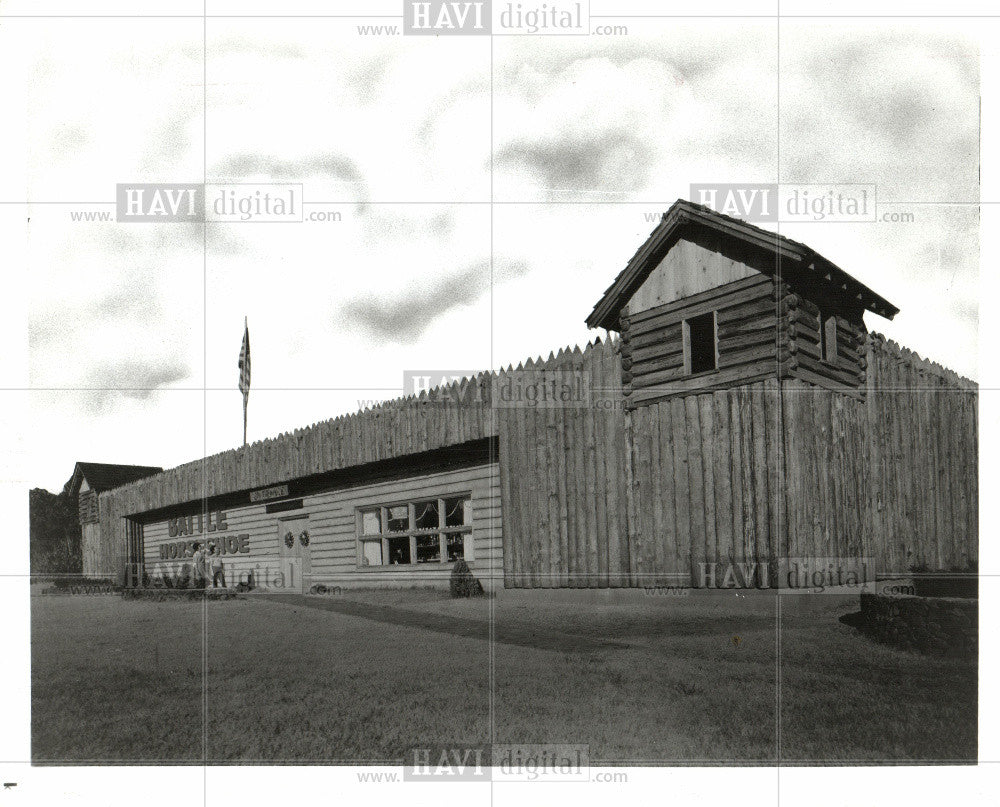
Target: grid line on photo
(764, 762)
(778, 15)
(204, 502)
(512, 203)
(880, 389)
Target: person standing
(199, 566)
(218, 570)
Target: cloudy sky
(488, 194)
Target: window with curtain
(426, 531)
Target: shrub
(319, 588)
(219, 594)
(81, 582)
(163, 595)
(971, 567)
(463, 583)
(143, 594)
(81, 585)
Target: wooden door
(294, 559)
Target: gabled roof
(795, 258)
(103, 476)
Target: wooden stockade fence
(563, 475)
(706, 488)
(449, 415)
(596, 495)
(918, 463)
(728, 486)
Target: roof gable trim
(671, 227)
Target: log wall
(563, 476)
(847, 371)
(707, 488)
(752, 326)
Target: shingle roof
(103, 476)
(682, 214)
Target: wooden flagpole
(245, 373)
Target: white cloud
(365, 122)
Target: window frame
(412, 532)
(686, 343)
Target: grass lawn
(650, 679)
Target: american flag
(244, 365)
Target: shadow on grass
(512, 634)
(853, 620)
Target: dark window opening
(458, 513)
(428, 549)
(456, 547)
(426, 515)
(399, 550)
(397, 518)
(828, 338)
(701, 343)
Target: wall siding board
(744, 518)
(696, 487)
(599, 527)
(551, 550)
(597, 572)
(708, 446)
(722, 478)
